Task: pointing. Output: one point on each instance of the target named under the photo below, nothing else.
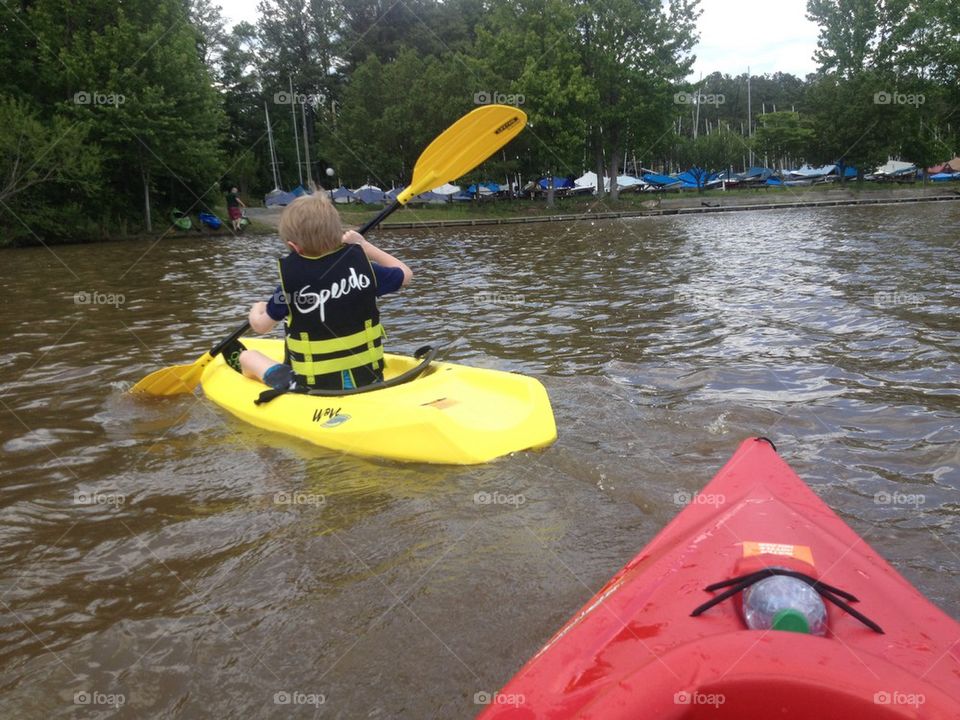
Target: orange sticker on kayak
(798, 552)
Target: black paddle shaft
(386, 212)
(218, 348)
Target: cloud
(766, 35)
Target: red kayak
(666, 637)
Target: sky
(766, 35)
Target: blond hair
(312, 223)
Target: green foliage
(527, 53)
(633, 53)
(849, 34)
(128, 84)
(50, 170)
(389, 114)
(110, 109)
(783, 137)
(720, 149)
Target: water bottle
(780, 602)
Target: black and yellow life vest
(333, 324)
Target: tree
(720, 149)
(783, 137)
(526, 51)
(300, 43)
(43, 162)
(849, 34)
(887, 81)
(383, 125)
(245, 144)
(632, 52)
(849, 126)
(151, 107)
(210, 28)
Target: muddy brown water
(148, 572)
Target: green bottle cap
(791, 620)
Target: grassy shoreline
(647, 203)
(263, 221)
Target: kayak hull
(635, 651)
(451, 414)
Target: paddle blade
(175, 380)
(463, 146)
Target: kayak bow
(635, 651)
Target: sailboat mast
(699, 96)
(306, 146)
(296, 138)
(273, 155)
(749, 116)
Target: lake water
(145, 562)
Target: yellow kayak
(450, 414)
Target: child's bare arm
(375, 254)
(259, 320)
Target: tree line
(112, 114)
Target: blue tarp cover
(491, 186)
(278, 197)
(661, 180)
(342, 192)
(559, 183)
(431, 197)
(369, 196)
(696, 178)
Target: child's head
(312, 224)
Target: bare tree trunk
(598, 164)
(145, 175)
(614, 165)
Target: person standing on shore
(235, 208)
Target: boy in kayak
(235, 208)
(329, 284)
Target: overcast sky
(766, 35)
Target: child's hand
(352, 237)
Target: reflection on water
(151, 550)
